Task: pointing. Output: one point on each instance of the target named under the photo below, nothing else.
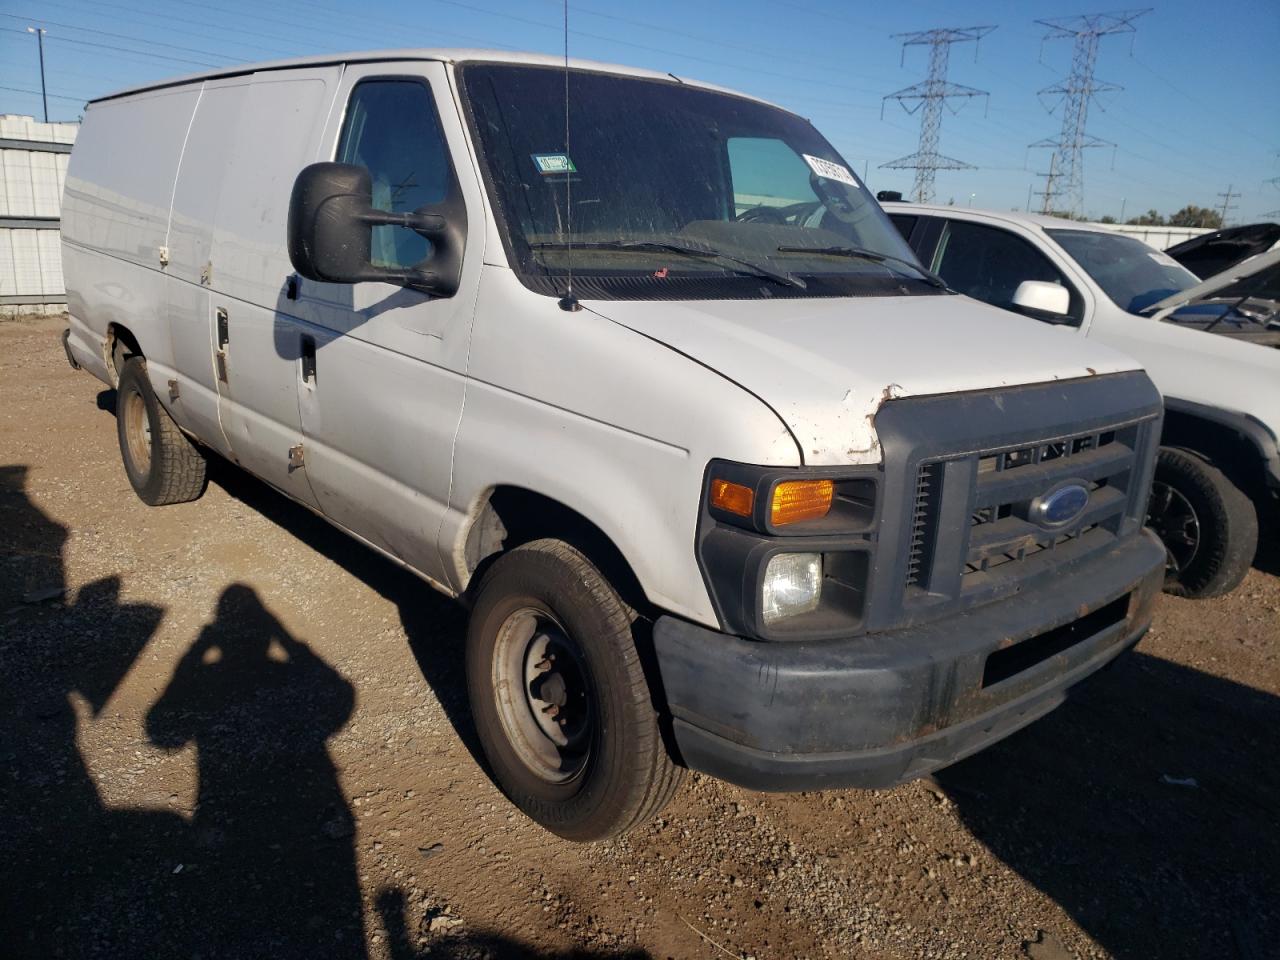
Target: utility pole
(929, 98)
(1227, 205)
(39, 32)
(1076, 93)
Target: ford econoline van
(728, 481)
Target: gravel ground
(226, 730)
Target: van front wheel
(559, 697)
(163, 466)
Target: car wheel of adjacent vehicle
(559, 697)
(1208, 525)
(163, 466)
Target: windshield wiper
(753, 267)
(873, 256)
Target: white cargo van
(725, 487)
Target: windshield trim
(727, 285)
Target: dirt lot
(228, 731)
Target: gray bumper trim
(875, 710)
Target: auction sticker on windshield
(553, 163)
(829, 170)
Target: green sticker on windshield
(553, 163)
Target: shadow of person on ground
(69, 861)
(266, 866)
(468, 944)
(434, 624)
(272, 834)
(1147, 807)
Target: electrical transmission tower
(929, 98)
(1065, 188)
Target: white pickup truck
(1218, 472)
(722, 491)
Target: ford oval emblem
(1061, 505)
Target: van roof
(439, 54)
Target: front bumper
(880, 709)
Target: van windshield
(1131, 273)
(668, 191)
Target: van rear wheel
(559, 697)
(1208, 525)
(163, 466)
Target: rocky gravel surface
(227, 730)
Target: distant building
(33, 168)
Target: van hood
(826, 365)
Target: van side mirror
(331, 221)
(1040, 298)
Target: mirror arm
(430, 225)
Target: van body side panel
(606, 421)
(201, 176)
(266, 142)
(380, 416)
(115, 213)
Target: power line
(141, 53)
(929, 97)
(167, 22)
(1066, 171)
(120, 36)
(52, 96)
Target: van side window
(392, 130)
(988, 263)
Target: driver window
(988, 263)
(392, 130)
(766, 173)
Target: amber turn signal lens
(796, 500)
(732, 497)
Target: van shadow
(1267, 559)
(1146, 807)
(434, 625)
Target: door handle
(224, 334)
(307, 359)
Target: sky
(1199, 115)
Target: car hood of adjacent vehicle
(826, 365)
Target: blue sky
(1200, 111)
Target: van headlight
(792, 585)
(787, 552)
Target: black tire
(1208, 525)
(162, 464)
(613, 771)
